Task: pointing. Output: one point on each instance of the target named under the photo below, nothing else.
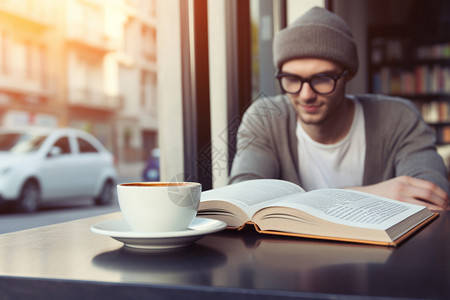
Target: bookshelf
(417, 67)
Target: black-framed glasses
(321, 84)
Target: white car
(37, 166)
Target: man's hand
(411, 190)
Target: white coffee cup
(159, 206)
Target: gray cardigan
(398, 142)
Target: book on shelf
(386, 50)
(434, 51)
(442, 134)
(422, 79)
(283, 208)
(434, 111)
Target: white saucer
(120, 230)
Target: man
(318, 137)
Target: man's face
(313, 108)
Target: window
(85, 147)
(63, 143)
(148, 92)
(19, 143)
(8, 140)
(41, 63)
(4, 44)
(28, 52)
(148, 42)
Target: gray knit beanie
(318, 33)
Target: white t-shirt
(337, 165)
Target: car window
(8, 140)
(63, 143)
(85, 147)
(20, 143)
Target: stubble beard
(312, 119)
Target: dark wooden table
(68, 261)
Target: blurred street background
(11, 221)
(84, 64)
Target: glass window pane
(85, 147)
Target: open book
(281, 207)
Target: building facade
(87, 64)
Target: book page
(351, 208)
(251, 192)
